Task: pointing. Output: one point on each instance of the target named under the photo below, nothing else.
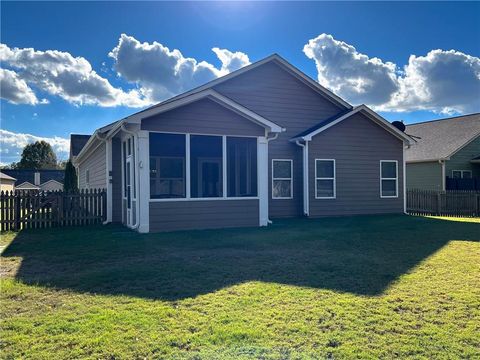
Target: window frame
(290, 179)
(461, 174)
(187, 168)
(334, 178)
(395, 178)
(87, 177)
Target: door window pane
(167, 166)
(241, 167)
(206, 166)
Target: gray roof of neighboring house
(27, 175)
(439, 139)
(6, 177)
(77, 142)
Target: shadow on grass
(360, 255)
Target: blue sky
(343, 58)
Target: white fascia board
(373, 115)
(51, 180)
(426, 160)
(208, 93)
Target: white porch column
(262, 169)
(108, 151)
(143, 182)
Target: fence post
(17, 212)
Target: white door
(129, 188)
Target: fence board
(34, 210)
(443, 203)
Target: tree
(38, 155)
(70, 180)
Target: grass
(343, 288)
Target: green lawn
(354, 287)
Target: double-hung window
(325, 186)
(282, 179)
(388, 178)
(461, 174)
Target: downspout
(137, 189)
(268, 140)
(442, 163)
(405, 180)
(306, 202)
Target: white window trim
(87, 177)
(334, 178)
(395, 178)
(461, 174)
(290, 179)
(187, 170)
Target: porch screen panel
(167, 166)
(206, 166)
(241, 167)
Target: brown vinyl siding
(282, 98)
(96, 164)
(203, 117)
(424, 175)
(202, 214)
(116, 180)
(357, 145)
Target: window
(87, 177)
(206, 166)
(461, 174)
(325, 186)
(388, 178)
(282, 179)
(241, 167)
(167, 166)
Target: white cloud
(15, 90)
(161, 72)
(71, 78)
(12, 144)
(441, 81)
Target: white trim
(143, 184)
(461, 174)
(444, 175)
(87, 178)
(373, 116)
(108, 169)
(284, 179)
(49, 181)
(206, 199)
(334, 178)
(224, 167)
(395, 178)
(262, 180)
(426, 160)
(29, 184)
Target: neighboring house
(446, 149)
(7, 183)
(260, 143)
(42, 180)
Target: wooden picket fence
(443, 203)
(33, 210)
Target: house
(7, 183)
(260, 143)
(40, 180)
(446, 154)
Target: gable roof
(327, 123)
(211, 94)
(6, 177)
(284, 64)
(77, 142)
(440, 139)
(28, 175)
(27, 185)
